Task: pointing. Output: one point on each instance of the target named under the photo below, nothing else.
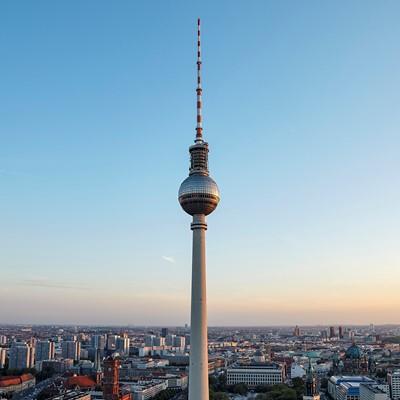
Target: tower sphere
(198, 194)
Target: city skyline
(301, 110)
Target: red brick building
(15, 384)
(110, 381)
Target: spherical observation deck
(198, 194)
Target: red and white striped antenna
(199, 126)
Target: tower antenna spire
(199, 126)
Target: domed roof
(354, 352)
(258, 353)
(198, 194)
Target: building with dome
(355, 360)
(259, 356)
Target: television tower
(198, 196)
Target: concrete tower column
(198, 372)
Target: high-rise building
(98, 341)
(2, 357)
(179, 341)
(111, 342)
(341, 331)
(44, 350)
(21, 356)
(297, 331)
(149, 340)
(169, 340)
(3, 339)
(393, 380)
(122, 345)
(332, 332)
(198, 196)
(164, 332)
(159, 341)
(71, 349)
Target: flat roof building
(254, 375)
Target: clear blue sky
(301, 109)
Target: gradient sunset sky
(301, 108)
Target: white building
(297, 371)
(373, 392)
(253, 375)
(346, 387)
(145, 390)
(394, 385)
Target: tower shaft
(198, 369)
(198, 196)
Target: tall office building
(111, 342)
(332, 332)
(2, 357)
(3, 339)
(98, 341)
(159, 341)
(122, 345)
(44, 350)
(149, 340)
(21, 356)
(198, 196)
(71, 349)
(393, 380)
(179, 341)
(169, 340)
(341, 331)
(164, 332)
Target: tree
(297, 382)
(287, 394)
(324, 383)
(381, 374)
(221, 383)
(262, 388)
(240, 388)
(218, 396)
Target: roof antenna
(199, 126)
